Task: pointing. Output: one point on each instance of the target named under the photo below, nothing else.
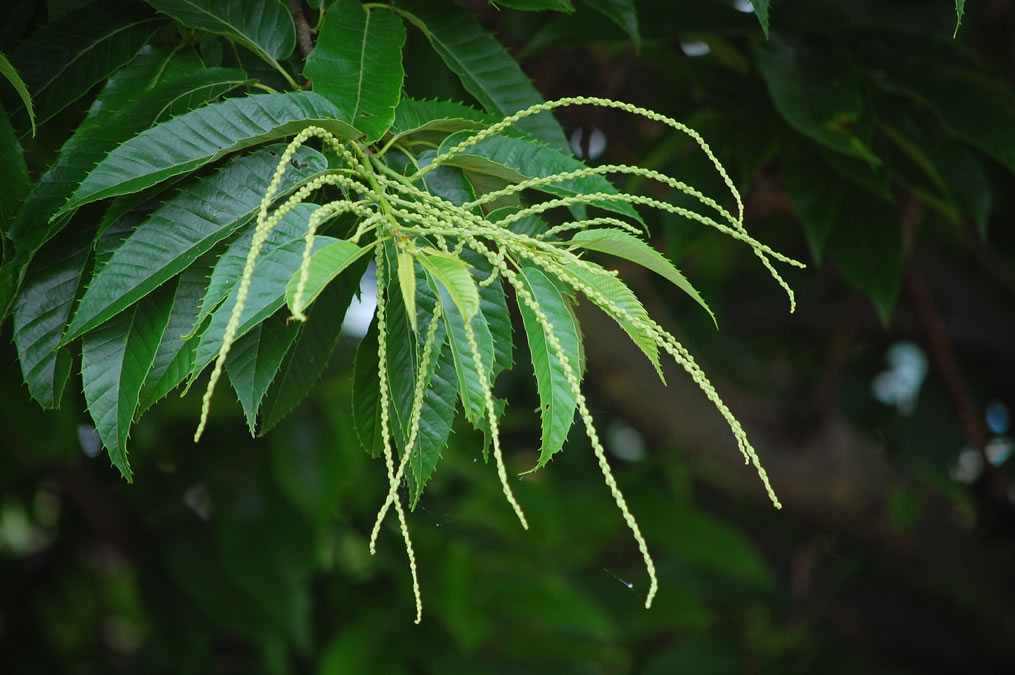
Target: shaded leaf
(515, 159)
(621, 12)
(325, 265)
(175, 356)
(9, 72)
(191, 223)
(366, 402)
(625, 245)
(357, 64)
(13, 174)
(254, 360)
(536, 5)
(761, 9)
(866, 246)
(192, 140)
(309, 356)
(265, 27)
(41, 312)
(817, 198)
(485, 68)
(557, 402)
(817, 91)
(115, 360)
(415, 117)
(63, 60)
(117, 114)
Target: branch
(306, 42)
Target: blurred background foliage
(868, 142)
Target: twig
(302, 28)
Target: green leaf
(117, 114)
(307, 360)
(175, 356)
(485, 68)
(325, 265)
(625, 245)
(972, 106)
(621, 12)
(817, 91)
(470, 387)
(405, 350)
(617, 292)
(13, 174)
(516, 159)
(407, 283)
(536, 5)
(8, 71)
(62, 61)
(265, 27)
(557, 402)
(254, 360)
(761, 9)
(817, 197)
(432, 120)
(190, 141)
(453, 275)
(494, 310)
(265, 297)
(41, 312)
(357, 64)
(366, 402)
(866, 246)
(115, 360)
(229, 267)
(185, 227)
(960, 8)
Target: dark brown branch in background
(303, 37)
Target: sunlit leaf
(515, 159)
(625, 245)
(470, 386)
(325, 265)
(557, 402)
(617, 292)
(453, 275)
